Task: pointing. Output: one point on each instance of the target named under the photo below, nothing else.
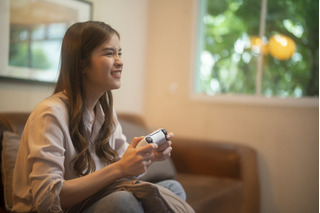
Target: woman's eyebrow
(110, 49)
(107, 49)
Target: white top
(46, 151)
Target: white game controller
(159, 137)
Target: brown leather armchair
(217, 177)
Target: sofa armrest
(223, 160)
(13, 121)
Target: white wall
(129, 18)
(285, 136)
(157, 40)
(16, 96)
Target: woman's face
(104, 72)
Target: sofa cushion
(160, 170)
(10, 146)
(212, 194)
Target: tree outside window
(36, 46)
(231, 47)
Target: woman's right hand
(135, 161)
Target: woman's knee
(121, 201)
(174, 186)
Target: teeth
(116, 73)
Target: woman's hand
(135, 161)
(164, 151)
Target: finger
(166, 151)
(170, 135)
(164, 154)
(148, 157)
(147, 148)
(135, 141)
(147, 163)
(164, 146)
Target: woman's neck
(92, 98)
(91, 106)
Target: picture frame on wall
(32, 36)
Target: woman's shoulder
(55, 105)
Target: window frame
(254, 99)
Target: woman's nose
(118, 61)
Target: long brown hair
(77, 46)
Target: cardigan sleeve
(47, 154)
(43, 148)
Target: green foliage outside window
(36, 46)
(24, 51)
(228, 56)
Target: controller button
(149, 139)
(164, 131)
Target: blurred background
(221, 71)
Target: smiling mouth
(116, 73)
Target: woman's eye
(110, 54)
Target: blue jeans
(125, 202)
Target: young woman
(72, 145)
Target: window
(268, 48)
(36, 46)
(32, 36)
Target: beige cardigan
(46, 151)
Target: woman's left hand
(164, 151)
